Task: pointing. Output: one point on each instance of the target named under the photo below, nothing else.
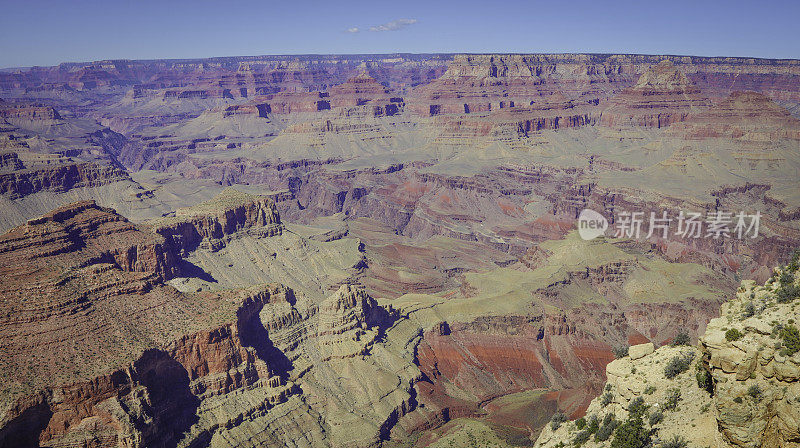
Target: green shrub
(631, 434)
(755, 392)
(620, 351)
(677, 365)
(580, 423)
(558, 418)
(656, 418)
(787, 293)
(581, 437)
(737, 400)
(682, 338)
(749, 310)
(733, 335)
(608, 397)
(791, 340)
(704, 380)
(675, 442)
(606, 428)
(649, 390)
(593, 425)
(786, 278)
(672, 399)
(795, 263)
(636, 407)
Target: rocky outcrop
(755, 366)
(64, 278)
(27, 112)
(350, 308)
(663, 95)
(210, 223)
(744, 116)
(291, 102)
(516, 120)
(364, 92)
(167, 395)
(121, 358)
(357, 91)
(483, 83)
(737, 388)
(23, 182)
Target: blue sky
(47, 32)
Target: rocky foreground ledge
(738, 387)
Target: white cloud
(352, 30)
(394, 25)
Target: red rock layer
(747, 115)
(521, 120)
(288, 102)
(96, 348)
(495, 356)
(364, 91)
(662, 96)
(66, 277)
(483, 83)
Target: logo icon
(591, 224)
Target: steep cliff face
(168, 395)
(211, 222)
(483, 83)
(157, 368)
(99, 351)
(466, 364)
(754, 364)
(743, 116)
(737, 388)
(28, 112)
(663, 95)
(58, 179)
(67, 277)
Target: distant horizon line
(447, 54)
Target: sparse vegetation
(580, 423)
(620, 351)
(606, 428)
(733, 335)
(682, 338)
(677, 365)
(631, 434)
(608, 397)
(787, 293)
(790, 337)
(704, 380)
(749, 310)
(656, 417)
(795, 263)
(755, 392)
(558, 418)
(675, 442)
(649, 390)
(581, 437)
(637, 407)
(593, 425)
(672, 399)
